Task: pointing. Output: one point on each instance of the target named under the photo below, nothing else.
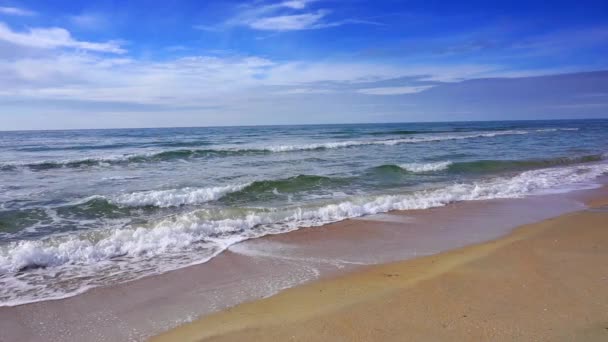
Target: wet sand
(546, 281)
(263, 267)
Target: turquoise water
(86, 208)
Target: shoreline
(548, 273)
(269, 265)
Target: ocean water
(87, 208)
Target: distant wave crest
(490, 166)
(184, 154)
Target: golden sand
(544, 282)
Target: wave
(265, 189)
(71, 164)
(187, 228)
(556, 129)
(128, 159)
(115, 206)
(426, 167)
(466, 130)
(490, 166)
(70, 148)
(47, 165)
(135, 205)
(183, 154)
(269, 189)
(84, 147)
(407, 132)
(241, 193)
(175, 197)
(129, 205)
(388, 142)
(91, 209)
(180, 143)
(87, 259)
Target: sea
(86, 208)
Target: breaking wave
(175, 197)
(426, 167)
(491, 166)
(196, 236)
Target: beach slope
(545, 281)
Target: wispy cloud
(290, 22)
(492, 43)
(394, 90)
(207, 80)
(296, 4)
(54, 37)
(16, 11)
(579, 105)
(89, 21)
(292, 15)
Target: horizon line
(286, 125)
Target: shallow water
(80, 209)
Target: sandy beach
(546, 281)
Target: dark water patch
(450, 156)
(389, 175)
(490, 166)
(196, 153)
(408, 132)
(8, 167)
(71, 164)
(271, 189)
(74, 147)
(15, 220)
(388, 169)
(180, 143)
(95, 208)
(480, 166)
(125, 160)
(42, 221)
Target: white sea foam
(181, 231)
(390, 142)
(409, 140)
(175, 197)
(120, 178)
(556, 129)
(122, 254)
(426, 167)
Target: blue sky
(77, 64)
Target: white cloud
(16, 11)
(296, 4)
(290, 15)
(54, 37)
(202, 80)
(301, 91)
(225, 89)
(393, 90)
(289, 22)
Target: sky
(110, 64)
